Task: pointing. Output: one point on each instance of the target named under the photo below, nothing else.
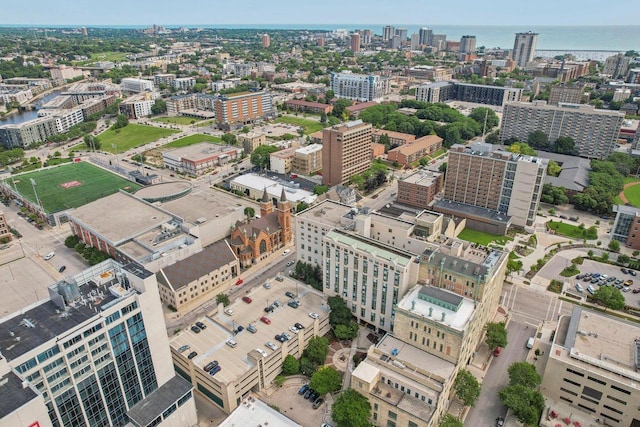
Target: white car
(229, 312)
(50, 255)
(286, 252)
(313, 315)
(262, 352)
(293, 329)
(271, 345)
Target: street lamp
(33, 184)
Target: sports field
(131, 136)
(69, 186)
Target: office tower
(355, 42)
(439, 41)
(395, 42)
(94, 353)
(524, 48)
(563, 93)
(366, 37)
(617, 66)
(594, 132)
(359, 87)
(426, 36)
(483, 177)
(266, 40)
(415, 41)
(402, 33)
(346, 151)
(467, 44)
(387, 33)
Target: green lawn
(178, 120)
(206, 123)
(193, 139)
(633, 195)
(131, 136)
(94, 183)
(629, 179)
(310, 126)
(482, 238)
(568, 230)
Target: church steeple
(283, 195)
(266, 205)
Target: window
(393, 415)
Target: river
(26, 115)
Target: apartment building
(420, 188)
(593, 367)
(95, 105)
(307, 160)
(617, 66)
(139, 105)
(480, 176)
(252, 140)
(9, 94)
(430, 72)
(312, 107)
(395, 138)
(467, 44)
(194, 280)
(467, 92)
(282, 161)
(524, 48)
(4, 228)
(359, 87)
(95, 352)
(595, 132)
(421, 147)
(239, 109)
(184, 83)
(164, 79)
(355, 43)
(21, 135)
(129, 84)
(346, 151)
(266, 40)
(248, 360)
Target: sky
(331, 12)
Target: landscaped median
(572, 231)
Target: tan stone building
(406, 154)
(307, 160)
(346, 151)
(395, 138)
(194, 280)
(252, 140)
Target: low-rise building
(61, 73)
(139, 105)
(184, 83)
(420, 188)
(253, 186)
(395, 138)
(307, 160)
(311, 107)
(198, 278)
(625, 226)
(421, 147)
(198, 159)
(252, 140)
(129, 84)
(5, 234)
(593, 367)
(282, 161)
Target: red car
(265, 320)
(239, 282)
(247, 300)
(497, 351)
(636, 291)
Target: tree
(479, 114)
(290, 366)
(245, 129)
(450, 421)
(346, 332)
(553, 195)
(624, 259)
(340, 108)
(467, 387)
(521, 148)
(614, 246)
(323, 118)
(317, 350)
(329, 95)
(121, 121)
(159, 107)
(71, 241)
(223, 299)
(139, 158)
(340, 313)
(92, 142)
(565, 145)
(261, 156)
(249, 212)
(526, 403)
(610, 297)
(326, 380)
(538, 139)
(320, 189)
(351, 409)
(523, 373)
(229, 139)
(496, 335)
(553, 168)
(307, 367)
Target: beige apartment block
(346, 151)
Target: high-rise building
(402, 33)
(320, 41)
(387, 33)
(359, 87)
(96, 352)
(239, 109)
(414, 42)
(266, 40)
(524, 48)
(563, 93)
(467, 92)
(480, 176)
(426, 36)
(617, 66)
(594, 132)
(467, 44)
(366, 37)
(346, 151)
(355, 42)
(395, 42)
(439, 41)
(85, 33)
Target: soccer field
(69, 186)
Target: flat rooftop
(425, 178)
(309, 149)
(147, 410)
(235, 362)
(14, 395)
(286, 153)
(120, 216)
(376, 249)
(274, 188)
(253, 410)
(431, 302)
(378, 218)
(602, 344)
(451, 207)
(328, 212)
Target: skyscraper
(366, 37)
(467, 44)
(402, 33)
(346, 151)
(426, 36)
(266, 40)
(355, 42)
(387, 33)
(524, 48)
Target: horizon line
(111, 25)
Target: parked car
(499, 422)
(215, 370)
(307, 394)
(246, 299)
(293, 304)
(271, 345)
(313, 315)
(632, 272)
(318, 403)
(201, 325)
(497, 351)
(579, 287)
(303, 389)
(290, 263)
(62, 268)
(299, 326)
(268, 309)
(266, 320)
(286, 252)
(183, 348)
(229, 312)
(280, 338)
(195, 329)
(624, 270)
(636, 291)
(293, 329)
(252, 329)
(289, 294)
(267, 285)
(192, 355)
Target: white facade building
(136, 85)
(359, 87)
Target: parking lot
(296, 406)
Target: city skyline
(283, 12)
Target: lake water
(23, 116)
